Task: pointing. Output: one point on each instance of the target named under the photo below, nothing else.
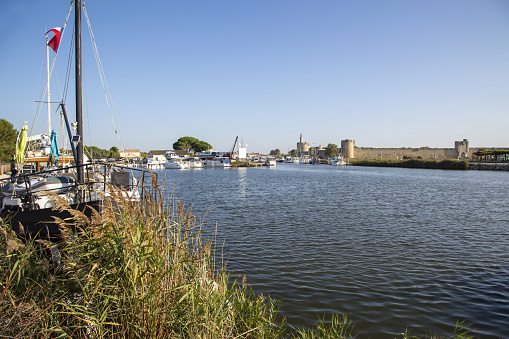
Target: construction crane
(232, 150)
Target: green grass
(414, 163)
(339, 327)
(134, 271)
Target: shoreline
(429, 164)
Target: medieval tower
(302, 147)
(348, 149)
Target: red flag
(53, 43)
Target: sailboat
(43, 148)
(23, 198)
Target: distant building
(242, 153)
(462, 148)
(157, 155)
(130, 153)
(317, 151)
(302, 148)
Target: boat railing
(139, 183)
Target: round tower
(302, 147)
(348, 148)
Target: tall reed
(132, 271)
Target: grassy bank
(134, 271)
(413, 163)
(245, 164)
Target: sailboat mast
(47, 85)
(79, 104)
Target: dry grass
(133, 271)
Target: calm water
(394, 248)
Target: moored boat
(305, 160)
(219, 162)
(194, 163)
(176, 164)
(24, 198)
(337, 161)
(271, 162)
(170, 155)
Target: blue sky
(392, 73)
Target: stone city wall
(368, 153)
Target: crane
(230, 154)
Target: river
(392, 248)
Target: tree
(293, 152)
(8, 137)
(276, 152)
(114, 153)
(96, 153)
(190, 143)
(201, 146)
(184, 143)
(331, 150)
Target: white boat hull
(175, 165)
(217, 163)
(337, 162)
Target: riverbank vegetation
(8, 136)
(97, 153)
(134, 271)
(414, 163)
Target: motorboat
(194, 163)
(219, 162)
(170, 155)
(176, 164)
(338, 161)
(271, 162)
(153, 163)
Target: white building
(130, 153)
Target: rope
(69, 68)
(89, 150)
(106, 90)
